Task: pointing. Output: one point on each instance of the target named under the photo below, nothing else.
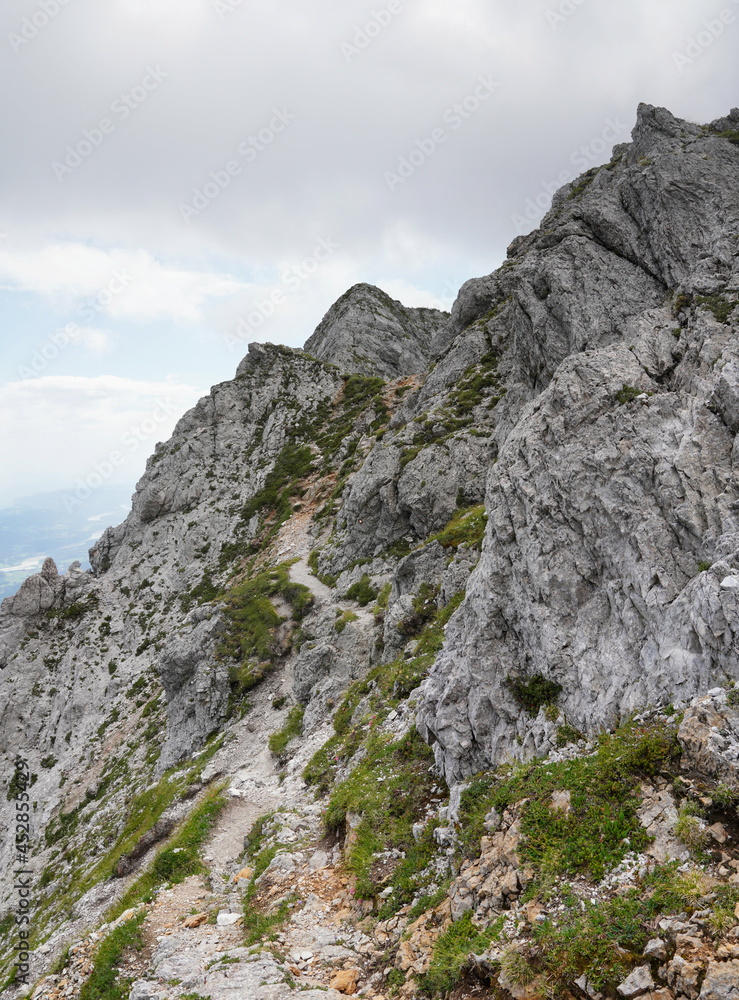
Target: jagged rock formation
(613, 532)
(554, 463)
(367, 332)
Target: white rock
(656, 949)
(639, 981)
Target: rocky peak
(369, 333)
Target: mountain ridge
(490, 528)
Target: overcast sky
(171, 169)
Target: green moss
(293, 463)
(273, 502)
(568, 734)
(470, 390)
(409, 454)
(332, 429)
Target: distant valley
(44, 525)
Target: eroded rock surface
(367, 332)
(613, 503)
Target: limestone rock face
(43, 592)
(615, 485)
(709, 736)
(369, 333)
(195, 684)
(327, 664)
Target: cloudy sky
(171, 168)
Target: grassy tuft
(451, 952)
(531, 695)
(467, 527)
(362, 592)
(104, 982)
(601, 825)
(293, 727)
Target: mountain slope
(503, 525)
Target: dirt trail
(193, 932)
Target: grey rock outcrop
(43, 592)
(195, 684)
(615, 486)
(709, 736)
(369, 333)
(325, 666)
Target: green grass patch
(251, 619)
(532, 694)
(294, 462)
(104, 982)
(470, 390)
(273, 502)
(425, 607)
(259, 925)
(605, 940)
(451, 951)
(718, 304)
(627, 394)
(731, 134)
(385, 686)
(601, 825)
(389, 788)
(180, 857)
(362, 592)
(583, 183)
(293, 727)
(467, 527)
(344, 619)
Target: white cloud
(124, 284)
(60, 429)
(62, 242)
(95, 340)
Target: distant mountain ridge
(43, 525)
